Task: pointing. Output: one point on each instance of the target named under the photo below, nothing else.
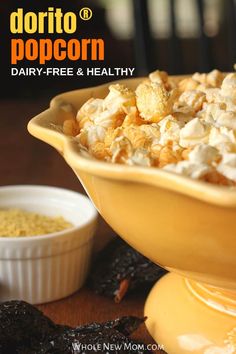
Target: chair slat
(204, 48)
(231, 32)
(142, 38)
(175, 53)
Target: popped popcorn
(204, 154)
(140, 157)
(121, 150)
(193, 99)
(119, 99)
(160, 77)
(154, 102)
(188, 84)
(194, 132)
(89, 111)
(188, 168)
(185, 126)
(91, 135)
(227, 167)
(228, 88)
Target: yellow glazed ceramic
(185, 225)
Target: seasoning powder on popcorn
(185, 126)
(17, 222)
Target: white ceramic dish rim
(92, 214)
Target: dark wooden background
(144, 51)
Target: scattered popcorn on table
(185, 126)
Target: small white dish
(44, 268)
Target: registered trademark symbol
(85, 13)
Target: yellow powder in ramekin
(18, 222)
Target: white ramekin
(41, 269)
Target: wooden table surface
(26, 160)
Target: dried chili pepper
(22, 323)
(25, 330)
(119, 269)
(106, 338)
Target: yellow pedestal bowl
(184, 225)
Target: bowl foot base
(181, 323)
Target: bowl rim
(41, 127)
(93, 214)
